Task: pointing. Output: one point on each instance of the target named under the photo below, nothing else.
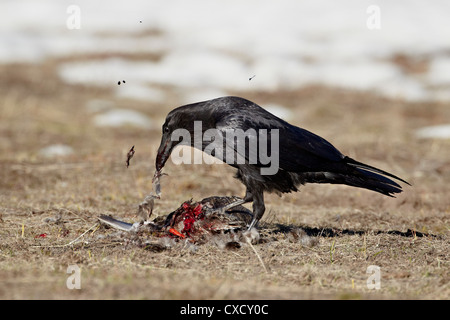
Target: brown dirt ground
(37, 110)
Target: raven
(301, 156)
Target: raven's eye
(166, 129)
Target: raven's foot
(252, 224)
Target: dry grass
(62, 198)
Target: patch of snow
(56, 150)
(139, 91)
(439, 73)
(122, 117)
(438, 132)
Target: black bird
(301, 156)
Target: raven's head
(204, 114)
(178, 128)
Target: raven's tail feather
(368, 177)
(357, 174)
(372, 181)
(361, 165)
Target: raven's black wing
(298, 150)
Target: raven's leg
(258, 209)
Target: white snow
(218, 45)
(56, 150)
(140, 91)
(438, 132)
(439, 73)
(121, 117)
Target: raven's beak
(164, 151)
